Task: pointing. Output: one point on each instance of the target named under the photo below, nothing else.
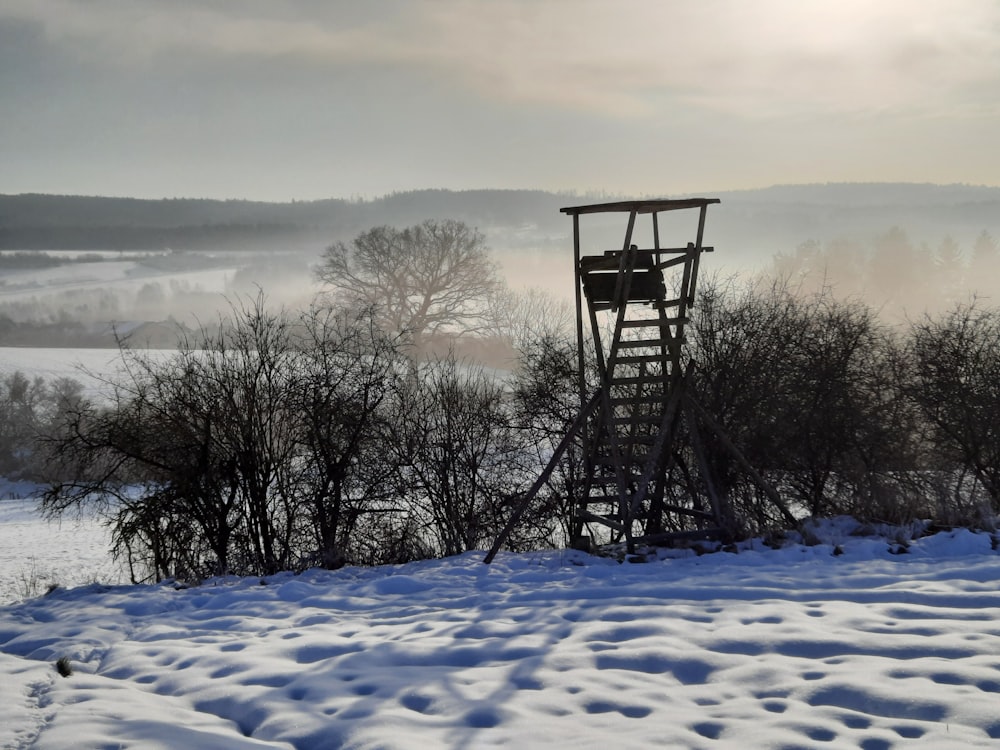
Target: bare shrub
(459, 458)
(954, 379)
(807, 388)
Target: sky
(297, 100)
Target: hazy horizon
(278, 101)
(595, 196)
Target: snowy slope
(35, 555)
(786, 648)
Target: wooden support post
(581, 419)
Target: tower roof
(641, 207)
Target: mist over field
(291, 332)
(73, 267)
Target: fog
(902, 249)
(87, 298)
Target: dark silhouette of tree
(949, 266)
(29, 407)
(459, 459)
(804, 386)
(248, 451)
(955, 381)
(984, 266)
(344, 379)
(427, 279)
(546, 401)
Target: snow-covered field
(115, 275)
(790, 648)
(92, 368)
(35, 555)
(85, 365)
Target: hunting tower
(633, 302)
(638, 301)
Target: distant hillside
(60, 222)
(758, 223)
(749, 226)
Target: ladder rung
(674, 303)
(600, 499)
(594, 518)
(646, 323)
(638, 358)
(650, 322)
(651, 399)
(637, 418)
(638, 380)
(640, 343)
(627, 369)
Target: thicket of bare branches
(275, 440)
(811, 390)
(953, 363)
(249, 450)
(30, 407)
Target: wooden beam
(642, 207)
(578, 423)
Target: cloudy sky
(302, 99)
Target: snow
(87, 366)
(122, 276)
(35, 555)
(762, 648)
(93, 368)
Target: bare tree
(460, 460)
(149, 461)
(257, 447)
(345, 376)
(546, 401)
(432, 278)
(191, 456)
(31, 408)
(806, 387)
(523, 317)
(955, 380)
(21, 400)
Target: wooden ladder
(627, 428)
(641, 383)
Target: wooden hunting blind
(644, 295)
(632, 305)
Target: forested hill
(754, 224)
(749, 224)
(33, 221)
